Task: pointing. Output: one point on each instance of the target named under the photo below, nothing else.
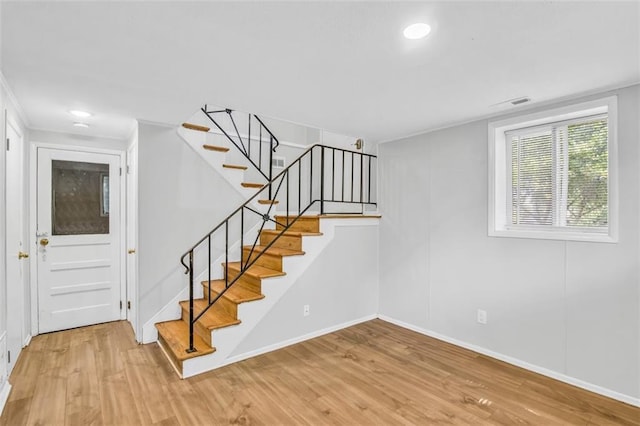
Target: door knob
(22, 255)
(44, 242)
(131, 251)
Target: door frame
(23, 334)
(33, 205)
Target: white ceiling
(342, 66)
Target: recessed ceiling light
(81, 114)
(83, 125)
(417, 31)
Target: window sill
(553, 235)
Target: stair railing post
(191, 345)
(271, 148)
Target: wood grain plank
(372, 373)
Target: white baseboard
(27, 341)
(4, 395)
(293, 341)
(519, 363)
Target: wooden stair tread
(215, 148)
(236, 293)
(234, 166)
(197, 127)
(251, 185)
(292, 233)
(176, 335)
(268, 201)
(256, 271)
(213, 318)
(277, 251)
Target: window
(553, 175)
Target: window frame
(499, 195)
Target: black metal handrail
(324, 187)
(256, 158)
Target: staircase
(232, 268)
(173, 336)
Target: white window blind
(558, 174)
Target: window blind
(559, 174)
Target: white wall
(569, 307)
(340, 287)
(180, 199)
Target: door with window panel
(78, 239)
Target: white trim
(4, 395)
(26, 341)
(498, 175)
(294, 340)
(518, 363)
(13, 100)
(33, 171)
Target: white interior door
(78, 230)
(16, 252)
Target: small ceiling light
(80, 114)
(83, 125)
(417, 31)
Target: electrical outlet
(482, 316)
(305, 310)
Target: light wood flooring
(374, 373)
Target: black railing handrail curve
(278, 180)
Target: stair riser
(230, 307)
(166, 347)
(301, 225)
(246, 281)
(267, 260)
(286, 241)
(201, 331)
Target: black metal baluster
(209, 270)
(369, 179)
(299, 186)
(342, 175)
(311, 177)
(260, 150)
(322, 180)
(249, 136)
(361, 176)
(352, 177)
(241, 237)
(333, 174)
(226, 253)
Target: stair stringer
(172, 310)
(227, 339)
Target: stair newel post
(191, 346)
(322, 180)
